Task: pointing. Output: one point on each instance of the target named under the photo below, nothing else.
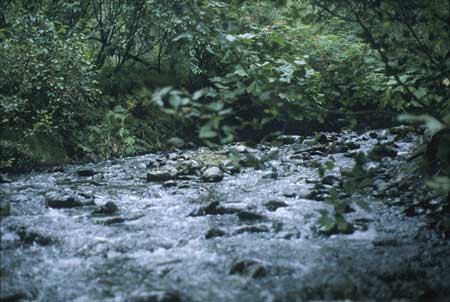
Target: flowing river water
(252, 236)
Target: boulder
(252, 229)
(213, 208)
(212, 174)
(188, 167)
(249, 268)
(106, 209)
(31, 237)
(246, 215)
(273, 205)
(64, 200)
(215, 232)
(5, 208)
(155, 296)
(163, 174)
(86, 172)
(4, 179)
(380, 151)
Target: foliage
(47, 84)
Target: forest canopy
(93, 79)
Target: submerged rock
(246, 215)
(30, 237)
(106, 209)
(212, 174)
(273, 205)
(214, 208)
(156, 296)
(4, 179)
(249, 268)
(62, 200)
(188, 167)
(380, 151)
(289, 139)
(252, 229)
(5, 208)
(215, 232)
(163, 174)
(87, 172)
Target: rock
(289, 139)
(156, 296)
(30, 237)
(246, 215)
(380, 185)
(64, 200)
(112, 220)
(373, 135)
(163, 174)
(106, 209)
(87, 172)
(231, 167)
(241, 148)
(55, 169)
(321, 138)
(215, 232)
(170, 184)
(5, 208)
(380, 151)
(351, 145)
(188, 167)
(14, 296)
(176, 142)
(4, 179)
(400, 131)
(249, 268)
(212, 174)
(213, 208)
(331, 180)
(273, 205)
(252, 229)
(309, 141)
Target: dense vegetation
(93, 79)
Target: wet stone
(56, 169)
(352, 145)
(112, 220)
(212, 174)
(170, 184)
(252, 229)
(106, 209)
(4, 178)
(289, 139)
(156, 296)
(215, 232)
(213, 208)
(64, 200)
(331, 180)
(249, 268)
(30, 237)
(246, 215)
(5, 208)
(164, 174)
(273, 205)
(380, 151)
(86, 172)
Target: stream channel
(154, 228)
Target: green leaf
(206, 132)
